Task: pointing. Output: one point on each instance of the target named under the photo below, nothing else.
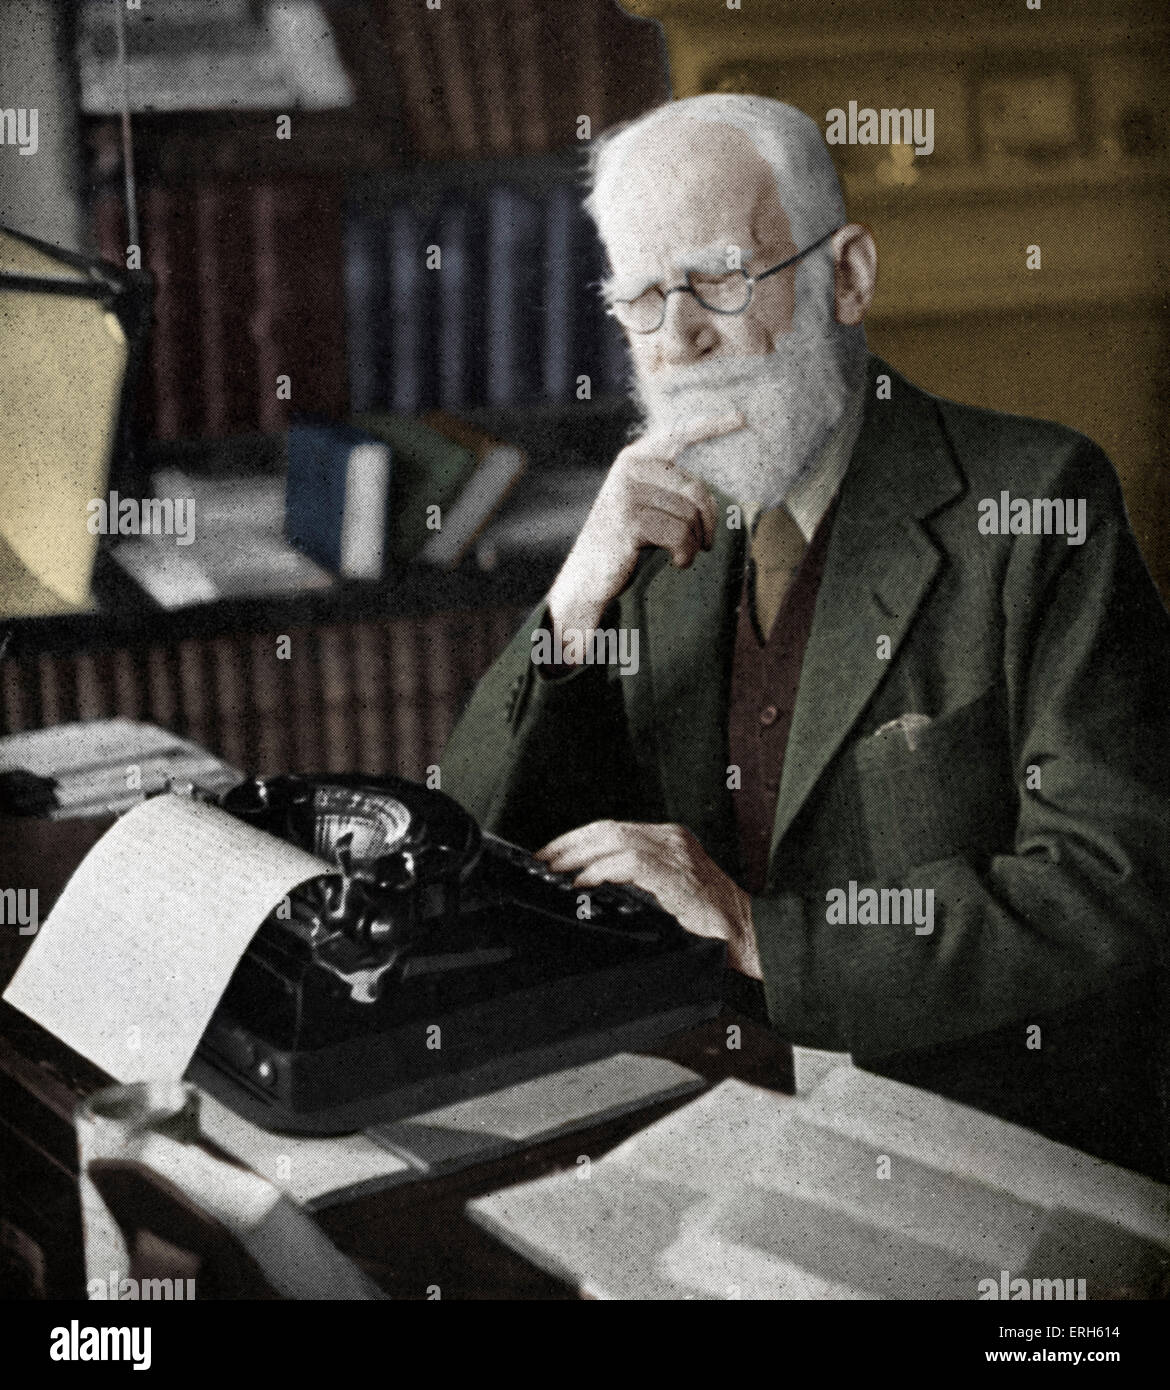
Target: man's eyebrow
(704, 259)
(712, 257)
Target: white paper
(316, 1171)
(133, 959)
(745, 1193)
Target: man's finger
(682, 538)
(625, 866)
(670, 490)
(667, 445)
(587, 843)
(696, 431)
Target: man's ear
(855, 259)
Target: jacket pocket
(953, 793)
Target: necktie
(777, 548)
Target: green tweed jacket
(1035, 804)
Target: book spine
(492, 61)
(524, 24)
(563, 359)
(365, 313)
(514, 294)
(315, 494)
(404, 29)
(298, 324)
(459, 365)
(224, 260)
(407, 298)
(176, 368)
(455, 80)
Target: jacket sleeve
(1080, 903)
(533, 757)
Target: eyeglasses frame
(752, 281)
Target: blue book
(515, 297)
(459, 355)
(603, 333)
(566, 350)
(366, 317)
(337, 497)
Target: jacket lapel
(681, 729)
(880, 565)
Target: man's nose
(687, 331)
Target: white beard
(791, 400)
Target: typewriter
(435, 963)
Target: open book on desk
(866, 1189)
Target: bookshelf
(246, 236)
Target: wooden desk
(409, 1238)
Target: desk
(407, 1238)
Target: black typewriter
(434, 963)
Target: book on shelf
(514, 296)
(298, 314)
(430, 470)
(337, 497)
(173, 354)
(498, 468)
(367, 320)
(248, 289)
(411, 289)
(225, 258)
(512, 317)
(459, 320)
(234, 546)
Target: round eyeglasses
(721, 294)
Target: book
(541, 520)
(566, 347)
(497, 471)
(336, 499)
(366, 315)
(515, 296)
(430, 470)
(866, 1189)
(174, 358)
(225, 259)
(459, 318)
(410, 383)
(297, 323)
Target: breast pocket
(952, 793)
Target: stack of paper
(868, 1189)
(107, 765)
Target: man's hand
(667, 861)
(646, 500)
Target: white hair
(786, 138)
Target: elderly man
(903, 752)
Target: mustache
(728, 373)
